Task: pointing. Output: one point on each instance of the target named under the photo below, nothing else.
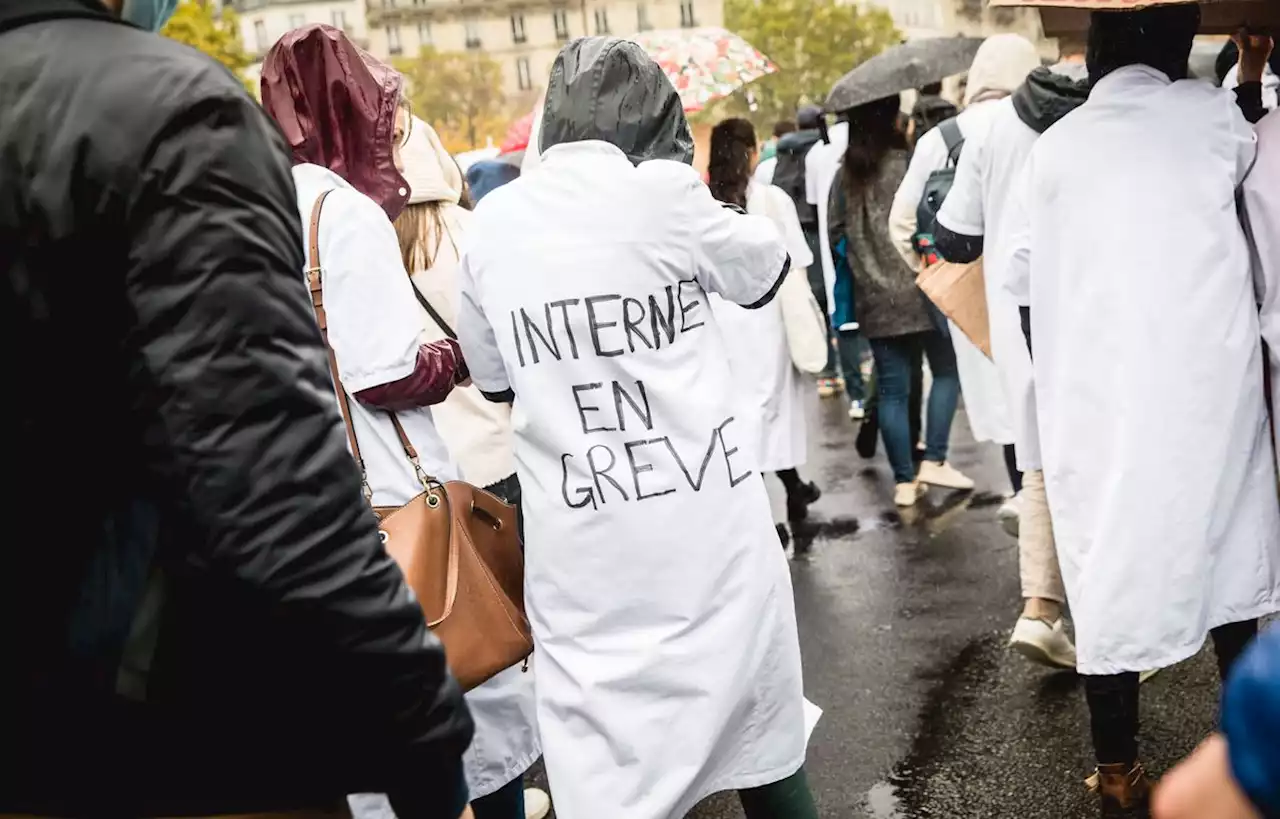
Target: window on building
(297, 21)
(602, 21)
(260, 35)
(472, 28)
(524, 77)
(424, 33)
(642, 17)
(561, 18)
(517, 27)
(393, 40)
(687, 19)
(339, 18)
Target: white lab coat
(821, 165)
(375, 328)
(663, 619)
(774, 392)
(976, 205)
(984, 398)
(1148, 369)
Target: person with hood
(1001, 65)
(432, 231)
(668, 663)
(892, 311)
(768, 153)
(1164, 509)
(969, 223)
(789, 175)
(769, 345)
(347, 146)
(213, 626)
(340, 111)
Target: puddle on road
(883, 803)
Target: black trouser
(1113, 698)
(1011, 466)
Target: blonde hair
(420, 228)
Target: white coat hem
(514, 771)
(1174, 655)
(739, 782)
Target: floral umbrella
(704, 64)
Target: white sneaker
(906, 494)
(536, 803)
(1042, 643)
(856, 412)
(1009, 513)
(943, 474)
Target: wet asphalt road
(903, 622)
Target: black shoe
(799, 500)
(868, 434)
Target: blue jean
(896, 357)
(506, 802)
(852, 348)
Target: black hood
(606, 89)
(1046, 97)
(798, 142)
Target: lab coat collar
(1128, 77)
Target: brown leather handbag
(458, 545)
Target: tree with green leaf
(201, 25)
(813, 43)
(459, 94)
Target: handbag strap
(315, 284)
(435, 315)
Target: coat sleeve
(737, 256)
(930, 154)
(479, 342)
(961, 220)
(1261, 218)
(230, 361)
(1251, 722)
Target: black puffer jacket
(169, 414)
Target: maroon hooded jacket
(337, 105)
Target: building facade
(522, 37)
(262, 22)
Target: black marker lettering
(531, 329)
(563, 304)
(578, 389)
(587, 495)
(645, 415)
(729, 453)
(685, 310)
(668, 322)
(637, 469)
(706, 459)
(632, 325)
(596, 325)
(597, 473)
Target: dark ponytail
(873, 133)
(733, 142)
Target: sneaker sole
(1038, 655)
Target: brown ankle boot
(1121, 785)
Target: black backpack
(936, 188)
(788, 174)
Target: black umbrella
(903, 67)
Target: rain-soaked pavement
(903, 622)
